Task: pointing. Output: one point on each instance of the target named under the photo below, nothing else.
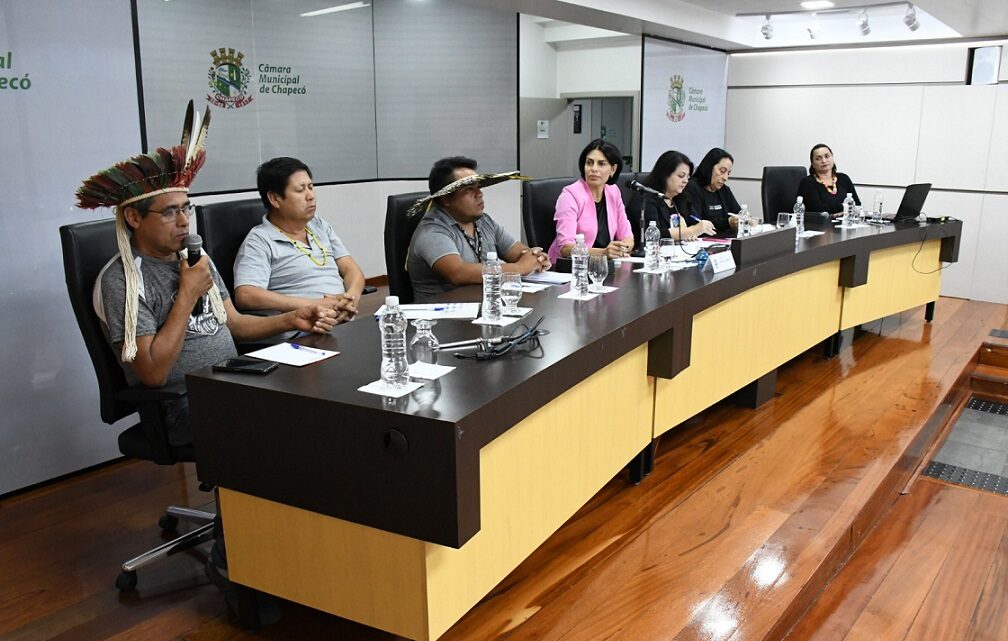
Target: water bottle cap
(653, 223)
(491, 255)
(800, 199)
(391, 301)
(579, 238)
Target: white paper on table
(428, 371)
(571, 295)
(436, 311)
(605, 289)
(810, 233)
(531, 288)
(634, 260)
(381, 389)
(517, 313)
(552, 278)
(649, 271)
(504, 321)
(288, 354)
(854, 226)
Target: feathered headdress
(483, 180)
(141, 177)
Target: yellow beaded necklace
(307, 252)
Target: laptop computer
(912, 203)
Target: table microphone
(633, 184)
(194, 249)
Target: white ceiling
(716, 23)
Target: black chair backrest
(629, 200)
(399, 230)
(224, 227)
(538, 206)
(779, 190)
(87, 247)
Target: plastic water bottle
(799, 216)
(652, 236)
(579, 266)
(743, 221)
(848, 210)
(393, 342)
(491, 287)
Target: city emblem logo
(676, 99)
(228, 80)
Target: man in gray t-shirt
(171, 339)
(455, 235)
(294, 258)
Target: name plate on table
(721, 262)
(749, 250)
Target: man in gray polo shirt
(455, 235)
(294, 258)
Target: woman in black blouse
(824, 190)
(708, 195)
(670, 176)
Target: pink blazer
(575, 214)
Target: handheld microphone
(633, 184)
(194, 249)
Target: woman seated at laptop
(824, 190)
(593, 206)
(670, 176)
(708, 194)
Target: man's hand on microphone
(193, 281)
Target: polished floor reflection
(745, 520)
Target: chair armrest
(369, 289)
(138, 395)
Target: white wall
(537, 61)
(892, 116)
(357, 212)
(599, 70)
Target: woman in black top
(707, 194)
(824, 190)
(670, 176)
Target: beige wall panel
(746, 336)
(955, 136)
(895, 283)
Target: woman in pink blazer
(592, 206)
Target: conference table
(403, 513)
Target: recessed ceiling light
(341, 7)
(815, 5)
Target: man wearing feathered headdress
(152, 303)
(455, 234)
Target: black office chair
(87, 247)
(538, 206)
(629, 199)
(224, 227)
(399, 230)
(779, 190)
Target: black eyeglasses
(171, 213)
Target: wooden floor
(743, 522)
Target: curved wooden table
(402, 514)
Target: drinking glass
(784, 220)
(423, 348)
(511, 291)
(598, 270)
(858, 215)
(877, 207)
(755, 223)
(666, 251)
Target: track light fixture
(767, 28)
(812, 10)
(910, 19)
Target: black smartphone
(245, 365)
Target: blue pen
(310, 350)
